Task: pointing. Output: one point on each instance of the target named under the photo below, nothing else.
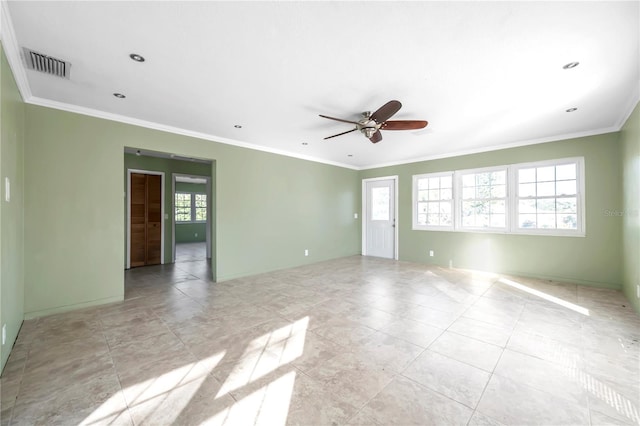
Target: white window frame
(580, 231)
(458, 174)
(511, 201)
(414, 202)
(192, 208)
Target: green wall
(168, 166)
(595, 259)
(268, 208)
(11, 213)
(630, 141)
(186, 232)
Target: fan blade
(338, 119)
(386, 111)
(377, 137)
(340, 134)
(404, 125)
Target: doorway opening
(194, 209)
(379, 214)
(191, 218)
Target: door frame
(365, 215)
(128, 196)
(173, 216)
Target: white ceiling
(484, 74)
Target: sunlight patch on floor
(267, 353)
(545, 296)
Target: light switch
(7, 189)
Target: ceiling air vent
(46, 64)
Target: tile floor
(357, 341)
(190, 252)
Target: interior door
(138, 201)
(380, 221)
(154, 219)
(146, 219)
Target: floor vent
(46, 64)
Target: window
(544, 198)
(433, 201)
(548, 196)
(484, 199)
(190, 207)
(183, 207)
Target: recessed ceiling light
(571, 65)
(571, 109)
(136, 57)
(305, 143)
(237, 126)
(119, 95)
(138, 153)
(349, 155)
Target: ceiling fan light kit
(371, 124)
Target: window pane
(527, 221)
(422, 219)
(566, 205)
(434, 183)
(527, 206)
(423, 195)
(433, 219)
(201, 214)
(434, 208)
(468, 180)
(498, 178)
(498, 191)
(546, 205)
(566, 187)
(526, 175)
(497, 207)
(566, 172)
(547, 221)
(483, 191)
(434, 194)
(468, 193)
(380, 203)
(446, 194)
(567, 221)
(446, 182)
(498, 221)
(445, 208)
(546, 174)
(423, 183)
(182, 207)
(546, 189)
(422, 207)
(527, 190)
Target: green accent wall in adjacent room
(12, 212)
(168, 166)
(630, 141)
(268, 208)
(191, 232)
(595, 259)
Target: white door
(380, 218)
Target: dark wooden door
(146, 219)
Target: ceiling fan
(371, 124)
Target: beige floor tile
(511, 402)
(415, 332)
(489, 333)
(406, 402)
(337, 342)
(564, 381)
(454, 379)
(465, 349)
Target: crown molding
(498, 147)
